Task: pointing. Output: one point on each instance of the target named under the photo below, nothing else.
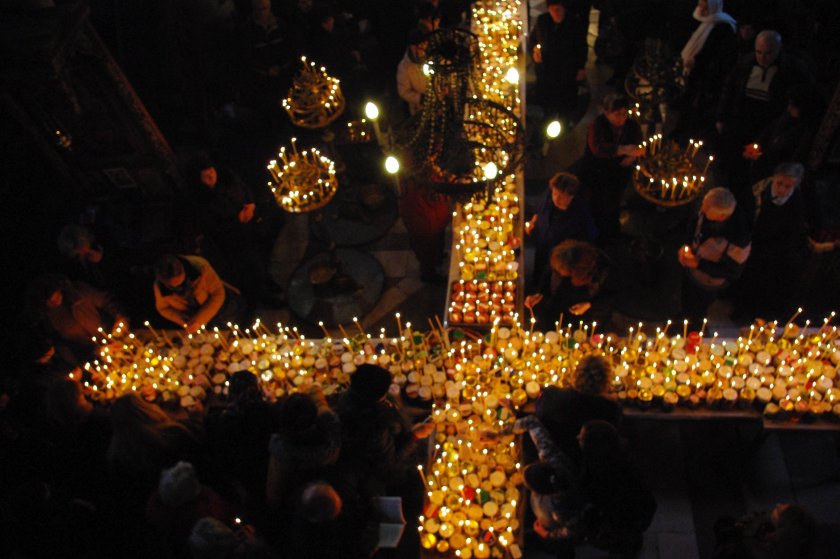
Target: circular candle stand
(667, 174)
(335, 285)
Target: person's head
(575, 260)
(47, 291)
(178, 485)
(260, 10)
(428, 17)
(706, 8)
(592, 375)
(325, 18)
(718, 204)
(320, 502)
(370, 383)
(244, 388)
(544, 479)
(212, 539)
(297, 417)
(768, 46)
(615, 107)
(169, 271)
(564, 188)
(795, 531)
(599, 440)
(77, 241)
(417, 42)
(556, 9)
(787, 177)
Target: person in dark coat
(563, 411)
(308, 441)
(239, 435)
(786, 138)
(578, 283)
(561, 215)
(756, 92)
(622, 505)
(74, 312)
(719, 246)
(707, 58)
(612, 145)
(558, 47)
(786, 531)
(779, 245)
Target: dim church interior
(699, 471)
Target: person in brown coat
(189, 292)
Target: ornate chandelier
(459, 140)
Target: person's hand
(537, 54)
(687, 258)
(630, 149)
(540, 529)
(581, 75)
(246, 214)
(529, 225)
(422, 430)
(192, 327)
(627, 161)
(818, 247)
(752, 152)
(532, 300)
(720, 127)
(579, 308)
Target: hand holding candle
(687, 258)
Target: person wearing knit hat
(179, 501)
(178, 485)
(212, 539)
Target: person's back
(623, 504)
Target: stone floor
(699, 471)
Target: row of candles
(784, 368)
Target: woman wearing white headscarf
(707, 58)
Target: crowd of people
(301, 477)
(756, 111)
(243, 477)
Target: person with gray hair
(779, 244)
(755, 93)
(716, 253)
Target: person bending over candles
(612, 146)
(574, 284)
(719, 248)
(189, 292)
(74, 311)
(561, 215)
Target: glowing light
(553, 129)
(392, 165)
(371, 110)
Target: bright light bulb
(427, 71)
(371, 110)
(490, 171)
(392, 165)
(512, 76)
(553, 129)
